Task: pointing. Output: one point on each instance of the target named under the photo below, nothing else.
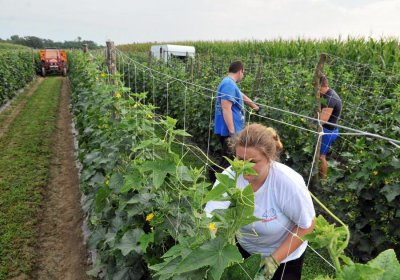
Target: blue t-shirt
(228, 90)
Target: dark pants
(290, 270)
(225, 152)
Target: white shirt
(283, 202)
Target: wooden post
(85, 48)
(191, 68)
(150, 59)
(317, 109)
(110, 59)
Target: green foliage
(140, 197)
(335, 239)
(137, 175)
(363, 184)
(16, 70)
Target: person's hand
(230, 139)
(269, 266)
(260, 111)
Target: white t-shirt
(283, 202)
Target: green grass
(24, 162)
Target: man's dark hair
(323, 81)
(235, 66)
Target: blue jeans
(328, 139)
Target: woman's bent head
(264, 139)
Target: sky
(124, 21)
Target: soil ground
(61, 252)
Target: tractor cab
(53, 61)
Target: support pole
(317, 109)
(110, 58)
(85, 48)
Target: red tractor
(53, 61)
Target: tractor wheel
(43, 72)
(64, 72)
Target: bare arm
(326, 114)
(227, 113)
(250, 102)
(291, 243)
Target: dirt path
(16, 106)
(61, 253)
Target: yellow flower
(375, 173)
(103, 75)
(149, 217)
(107, 182)
(212, 227)
(117, 95)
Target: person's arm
(226, 106)
(250, 102)
(292, 242)
(326, 114)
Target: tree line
(40, 43)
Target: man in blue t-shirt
(330, 115)
(229, 108)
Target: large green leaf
(145, 240)
(216, 193)
(214, 253)
(359, 272)
(130, 242)
(101, 198)
(132, 181)
(160, 168)
(388, 262)
(116, 181)
(245, 270)
(391, 192)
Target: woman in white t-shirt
(281, 200)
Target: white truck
(166, 52)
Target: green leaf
(214, 253)
(132, 181)
(116, 181)
(184, 174)
(243, 213)
(129, 242)
(101, 198)
(181, 132)
(145, 240)
(359, 271)
(388, 262)
(216, 193)
(160, 168)
(395, 163)
(247, 270)
(391, 192)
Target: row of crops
(17, 68)
(145, 206)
